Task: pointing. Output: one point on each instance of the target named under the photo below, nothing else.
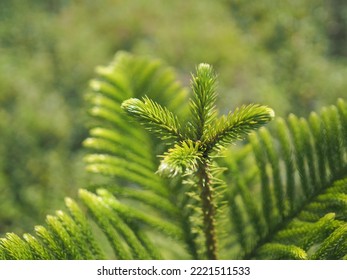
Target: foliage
(205, 133)
(282, 195)
(289, 55)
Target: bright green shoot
(194, 144)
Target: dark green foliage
(284, 194)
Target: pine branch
(183, 158)
(237, 125)
(311, 206)
(154, 117)
(204, 98)
(205, 135)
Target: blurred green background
(290, 55)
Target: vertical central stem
(208, 210)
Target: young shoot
(194, 144)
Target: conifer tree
(196, 143)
